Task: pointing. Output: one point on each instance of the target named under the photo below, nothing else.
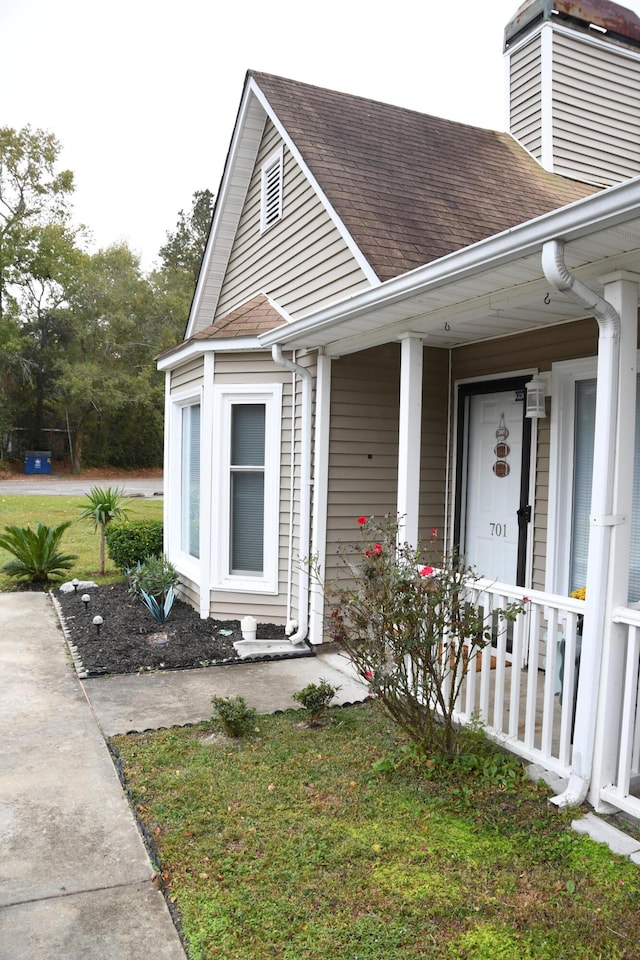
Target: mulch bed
(131, 641)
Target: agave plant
(104, 504)
(159, 609)
(37, 558)
(155, 581)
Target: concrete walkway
(75, 878)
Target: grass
(80, 538)
(289, 845)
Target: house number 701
(498, 529)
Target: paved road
(77, 486)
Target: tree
(41, 295)
(109, 392)
(174, 283)
(183, 251)
(32, 195)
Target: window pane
(247, 521)
(190, 540)
(585, 415)
(247, 434)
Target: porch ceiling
(478, 294)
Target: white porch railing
(523, 686)
(627, 778)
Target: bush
(234, 716)
(103, 505)
(315, 698)
(155, 581)
(131, 542)
(411, 630)
(37, 558)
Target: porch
(525, 691)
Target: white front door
(492, 498)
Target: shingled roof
(252, 318)
(410, 187)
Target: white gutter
(597, 212)
(305, 491)
(601, 517)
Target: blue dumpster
(37, 461)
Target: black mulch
(131, 641)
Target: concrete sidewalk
(75, 878)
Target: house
(398, 313)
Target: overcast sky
(143, 94)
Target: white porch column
(206, 485)
(409, 438)
(621, 291)
(320, 495)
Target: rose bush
(409, 626)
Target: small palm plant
(36, 554)
(104, 504)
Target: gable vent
(271, 206)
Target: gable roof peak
(410, 187)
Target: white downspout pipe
(305, 490)
(601, 518)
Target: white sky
(143, 94)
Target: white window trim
(184, 563)
(224, 397)
(564, 376)
(274, 162)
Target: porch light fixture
(536, 391)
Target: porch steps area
(592, 825)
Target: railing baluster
(628, 712)
(568, 681)
(548, 704)
(501, 652)
(532, 678)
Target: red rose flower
(426, 571)
(362, 521)
(377, 548)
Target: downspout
(304, 572)
(601, 517)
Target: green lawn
(80, 538)
(290, 846)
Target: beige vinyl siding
(256, 368)
(189, 376)
(433, 460)
(596, 111)
(302, 261)
(525, 96)
(363, 444)
(539, 349)
(189, 592)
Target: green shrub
(37, 558)
(155, 581)
(131, 542)
(155, 576)
(411, 629)
(315, 698)
(234, 716)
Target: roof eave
(605, 209)
(195, 348)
